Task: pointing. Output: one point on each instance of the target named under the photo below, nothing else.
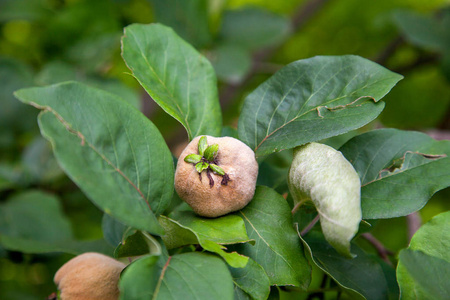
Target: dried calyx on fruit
(230, 167)
(89, 276)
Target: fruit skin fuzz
(89, 276)
(237, 160)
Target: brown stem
(414, 222)
(379, 247)
(309, 226)
(389, 50)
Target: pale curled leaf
(321, 174)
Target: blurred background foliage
(48, 41)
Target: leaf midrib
(83, 139)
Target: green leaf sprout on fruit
(206, 159)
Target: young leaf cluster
(206, 157)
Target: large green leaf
(186, 228)
(399, 170)
(189, 19)
(175, 75)
(277, 249)
(115, 154)
(423, 270)
(363, 274)
(185, 276)
(254, 28)
(33, 222)
(251, 280)
(313, 99)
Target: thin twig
(389, 50)
(309, 226)
(414, 222)
(381, 250)
(297, 206)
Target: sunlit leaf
(185, 276)
(424, 268)
(278, 249)
(112, 151)
(313, 99)
(175, 75)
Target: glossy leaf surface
(175, 75)
(277, 249)
(313, 99)
(120, 160)
(391, 163)
(184, 276)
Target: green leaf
(216, 169)
(185, 276)
(188, 18)
(14, 75)
(254, 28)
(113, 230)
(202, 145)
(231, 62)
(136, 244)
(201, 166)
(313, 99)
(186, 228)
(424, 268)
(322, 175)
(421, 30)
(252, 280)
(33, 222)
(193, 158)
(175, 75)
(278, 249)
(112, 151)
(363, 274)
(211, 152)
(422, 276)
(391, 163)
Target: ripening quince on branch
(216, 176)
(89, 276)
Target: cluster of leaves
(121, 162)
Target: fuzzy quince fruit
(216, 176)
(89, 276)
